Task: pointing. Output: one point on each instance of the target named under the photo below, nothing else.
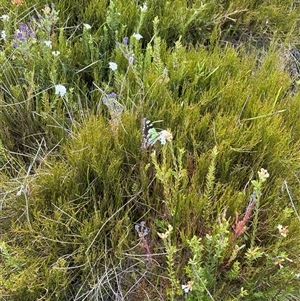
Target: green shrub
(89, 212)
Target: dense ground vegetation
(89, 210)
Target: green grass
(86, 214)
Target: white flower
(137, 36)
(87, 26)
(187, 287)
(60, 90)
(162, 138)
(166, 234)
(3, 34)
(144, 7)
(56, 53)
(162, 235)
(48, 43)
(263, 174)
(4, 17)
(165, 136)
(47, 9)
(113, 66)
(283, 231)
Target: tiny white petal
(60, 90)
(144, 7)
(185, 288)
(48, 43)
(4, 17)
(56, 53)
(87, 26)
(165, 136)
(3, 34)
(137, 36)
(283, 230)
(162, 139)
(113, 66)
